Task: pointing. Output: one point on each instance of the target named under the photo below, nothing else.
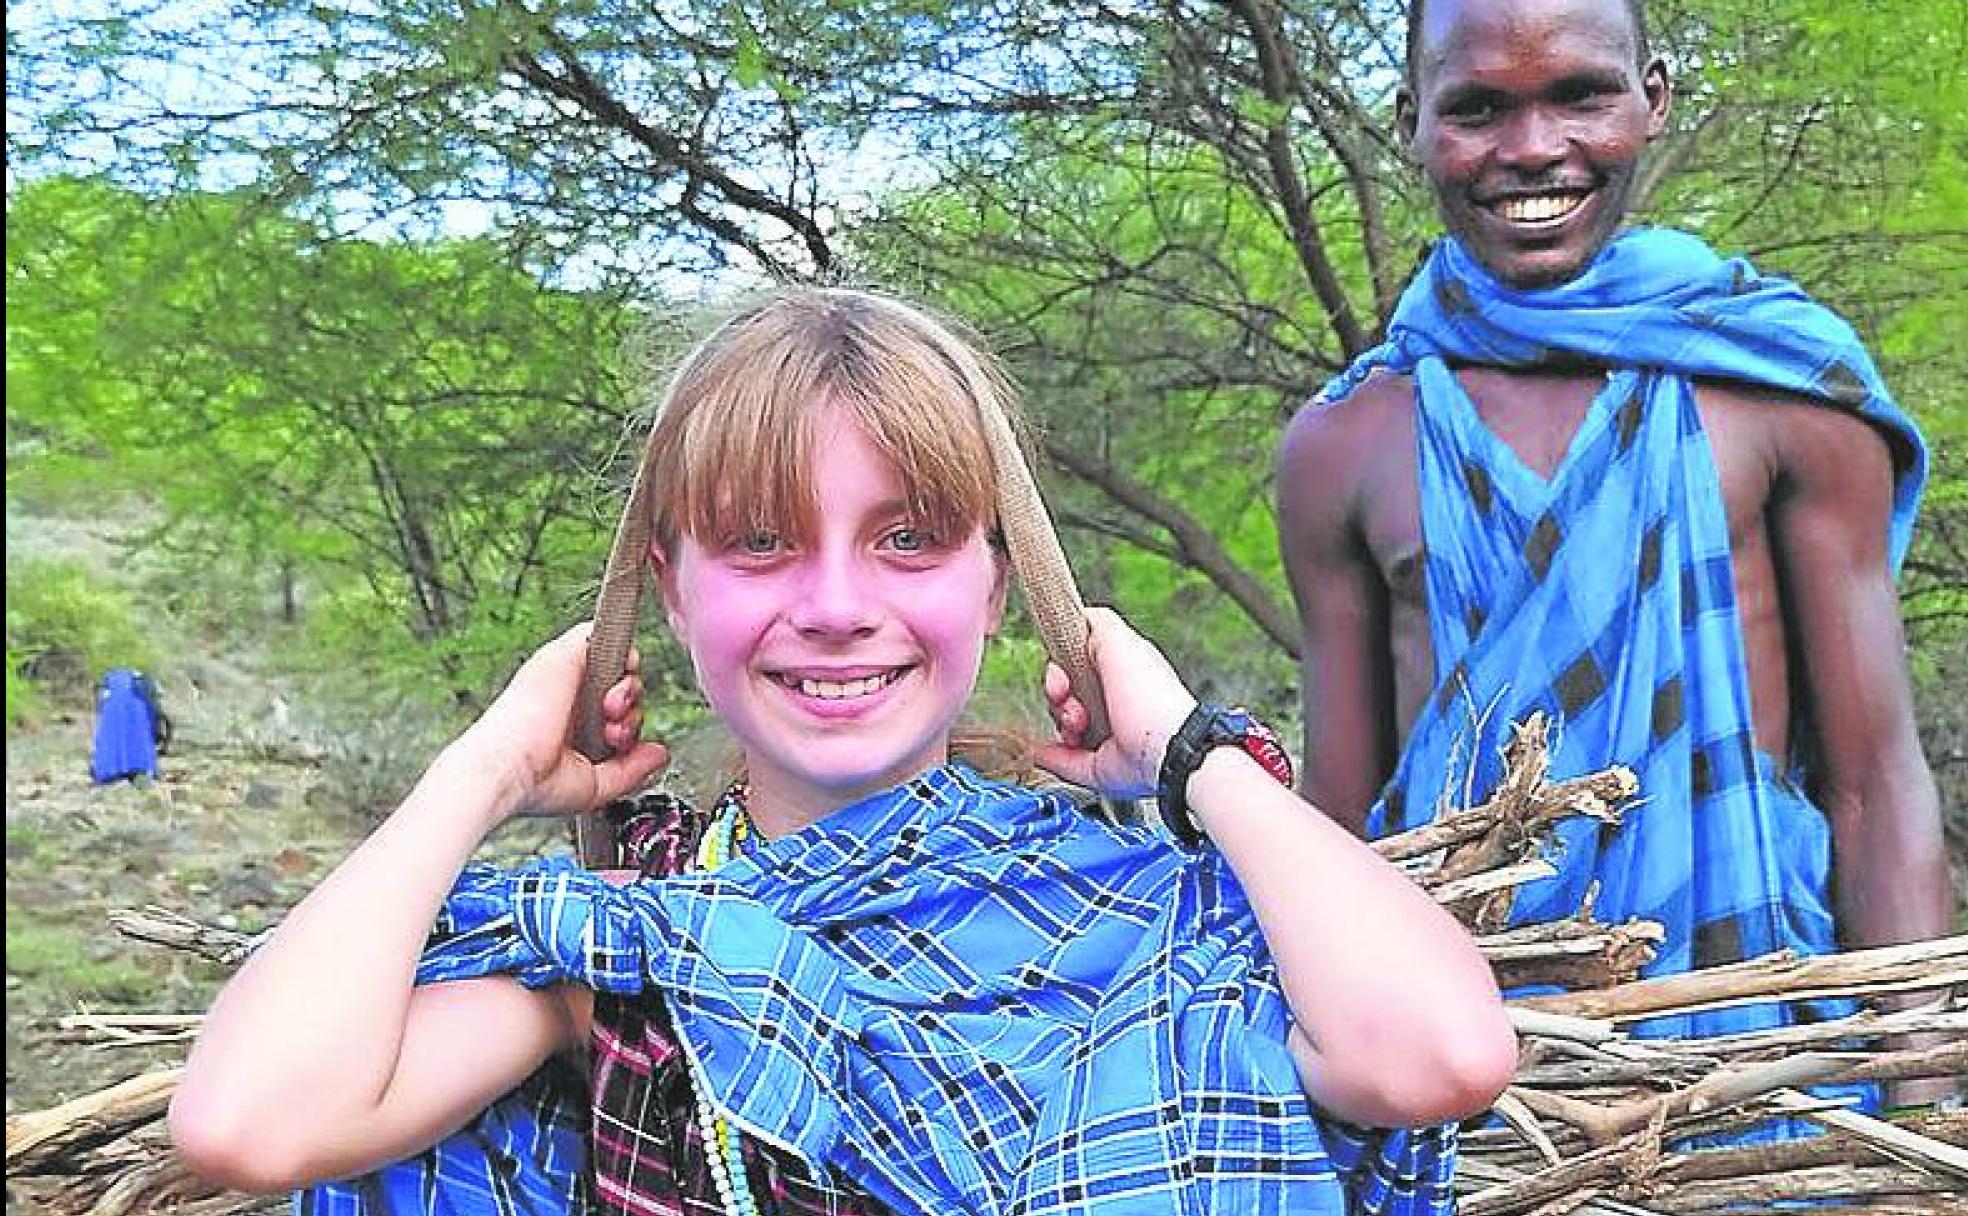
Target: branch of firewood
(163, 927)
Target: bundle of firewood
(1598, 1121)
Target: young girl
(872, 979)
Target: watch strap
(1207, 728)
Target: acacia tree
(1176, 216)
(414, 426)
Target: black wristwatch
(1207, 728)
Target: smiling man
(1612, 476)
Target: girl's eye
(760, 542)
(910, 540)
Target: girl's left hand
(1146, 705)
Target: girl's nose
(835, 596)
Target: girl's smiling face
(839, 659)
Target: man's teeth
(1537, 208)
(840, 690)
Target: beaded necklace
(728, 835)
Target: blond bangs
(940, 455)
(733, 445)
(741, 455)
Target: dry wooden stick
(1865, 1024)
(1890, 1139)
(38, 1135)
(1596, 794)
(1581, 954)
(1843, 1181)
(1940, 963)
(163, 927)
(1778, 1156)
(1563, 1027)
(1632, 1166)
(1511, 1109)
(1560, 932)
(1489, 882)
(1899, 1205)
(1912, 1063)
(1530, 1192)
(1603, 1124)
(1525, 806)
(130, 1029)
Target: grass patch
(24, 844)
(65, 626)
(60, 958)
(24, 701)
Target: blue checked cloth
(1604, 597)
(524, 1155)
(969, 997)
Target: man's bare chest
(1537, 421)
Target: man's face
(1529, 118)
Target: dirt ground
(231, 834)
(256, 801)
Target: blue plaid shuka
(1604, 597)
(521, 1156)
(968, 997)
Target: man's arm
(1828, 519)
(1346, 678)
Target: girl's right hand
(526, 734)
(1146, 704)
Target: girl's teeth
(832, 690)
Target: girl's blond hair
(731, 449)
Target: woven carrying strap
(1036, 557)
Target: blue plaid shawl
(524, 1155)
(969, 997)
(1604, 597)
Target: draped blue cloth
(524, 1155)
(969, 997)
(127, 727)
(1604, 596)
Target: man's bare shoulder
(1740, 395)
(1341, 430)
(1343, 466)
(1783, 427)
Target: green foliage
(65, 626)
(1009, 693)
(418, 427)
(24, 701)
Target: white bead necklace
(720, 844)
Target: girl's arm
(1399, 1022)
(320, 1058)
